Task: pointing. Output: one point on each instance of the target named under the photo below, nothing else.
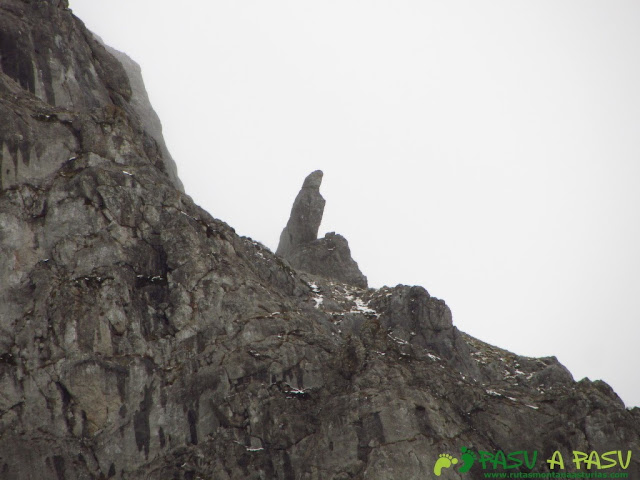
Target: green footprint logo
(468, 459)
(444, 461)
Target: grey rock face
(63, 96)
(424, 322)
(140, 338)
(329, 257)
(142, 106)
(305, 218)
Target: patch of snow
(254, 449)
(397, 340)
(362, 307)
(127, 173)
(480, 358)
(295, 391)
(319, 299)
(512, 399)
(493, 393)
(434, 357)
(532, 406)
(187, 215)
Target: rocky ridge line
(141, 338)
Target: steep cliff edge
(140, 338)
(64, 95)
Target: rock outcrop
(141, 338)
(305, 218)
(329, 257)
(63, 95)
(142, 106)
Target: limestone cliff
(64, 95)
(141, 338)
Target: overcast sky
(489, 151)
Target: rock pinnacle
(329, 257)
(306, 216)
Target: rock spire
(306, 216)
(329, 257)
(141, 338)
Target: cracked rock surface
(63, 94)
(141, 338)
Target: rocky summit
(329, 257)
(141, 338)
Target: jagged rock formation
(140, 102)
(140, 338)
(63, 95)
(305, 218)
(329, 257)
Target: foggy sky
(489, 151)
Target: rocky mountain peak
(313, 180)
(305, 218)
(141, 338)
(329, 257)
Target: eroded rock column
(328, 257)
